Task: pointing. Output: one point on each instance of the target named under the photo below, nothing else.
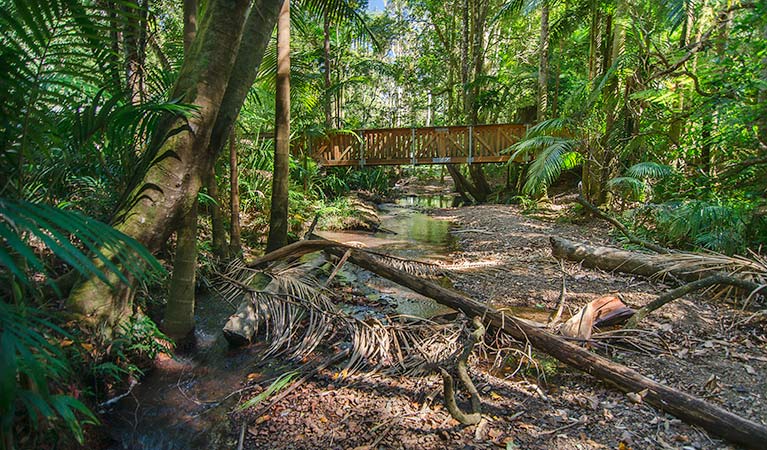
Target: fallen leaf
(262, 419)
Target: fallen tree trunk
(612, 259)
(687, 407)
(649, 266)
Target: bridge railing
(425, 145)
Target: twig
(565, 427)
(471, 230)
(114, 400)
(554, 318)
(311, 227)
(241, 441)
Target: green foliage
(713, 225)
(55, 228)
(277, 385)
(33, 368)
(554, 147)
(34, 365)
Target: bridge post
(471, 143)
(412, 146)
(363, 144)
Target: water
(429, 201)
(179, 405)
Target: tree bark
(190, 23)
(278, 217)
(258, 29)
(134, 47)
(235, 243)
(179, 312)
(166, 189)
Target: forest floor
(703, 347)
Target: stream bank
(498, 254)
(502, 256)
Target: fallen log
(615, 260)
(612, 259)
(649, 266)
(686, 407)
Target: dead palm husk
(751, 269)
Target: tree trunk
(190, 23)
(134, 47)
(543, 64)
(235, 244)
(179, 313)
(166, 188)
(278, 217)
(326, 54)
(217, 221)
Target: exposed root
(475, 415)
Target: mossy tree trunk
(179, 313)
(168, 186)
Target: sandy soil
(503, 256)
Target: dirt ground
(701, 346)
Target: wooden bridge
(428, 145)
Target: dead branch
(686, 289)
(555, 316)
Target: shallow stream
(182, 403)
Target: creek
(183, 403)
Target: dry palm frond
(748, 269)
(641, 341)
(753, 270)
(296, 313)
(411, 266)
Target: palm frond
(649, 169)
(559, 155)
(630, 187)
(296, 314)
(55, 228)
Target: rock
(241, 326)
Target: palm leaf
(55, 228)
(649, 170)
